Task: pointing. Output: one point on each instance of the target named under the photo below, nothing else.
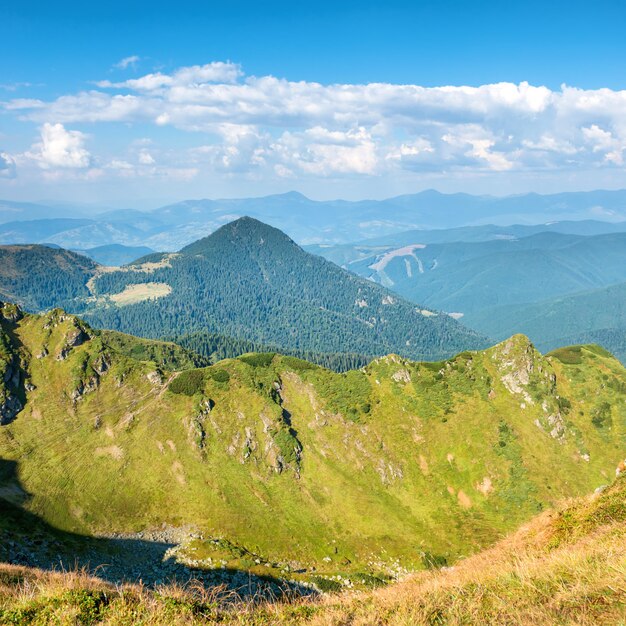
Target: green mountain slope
(39, 277)
(249, 280)
(598, 315)
(364, 471)
(477, 276)
(564, 567)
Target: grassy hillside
(164, 354)
(566, 566)
(381, 470)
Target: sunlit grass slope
(566, 566)
(391, 468)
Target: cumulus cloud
(145, 158)
(7, 165)
(288, 128)
(60, 148)
(193, 76)
(325, 152)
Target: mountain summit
(250, 280)
(245, 231)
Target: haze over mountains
(307, 221)
(465, 258)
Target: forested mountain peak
(245, 232)
(250, 281)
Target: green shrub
(326, 585)
(601, 416)
(348, 394)
(370, 581)
(599, 350)
(260, 359)
(565, 405)
(288, 445)
(433, 561)
(298, 365)
(188, 383)
(571, 355)
(219, 375)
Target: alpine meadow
(313, 313)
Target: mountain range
(247, 281)
(555, 286)
(597, 315)
(306, 221)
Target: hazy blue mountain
(38, 231)
(343, 254)
(339, 221)
(467, 277)
(597, 315)
(116, 254)
(11, 211)
(327, 222)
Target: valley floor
(564, 567)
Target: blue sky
(74, 125)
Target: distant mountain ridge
(597, 315)
(307, 221)
(472, 276)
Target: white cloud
(286, 128)
(118, 164)
(127, 61)
(145, 158)
(60, 148)
(476, 144)
(325, 152)
(15, 86)
(604, 142)
(7, 166)
(186, 77)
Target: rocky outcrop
(10, 312)
(91, 379)
(76, 337)
(196, 426)
(11, 383)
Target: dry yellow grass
(565, 567)
(140, 292)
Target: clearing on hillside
(140, 292)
